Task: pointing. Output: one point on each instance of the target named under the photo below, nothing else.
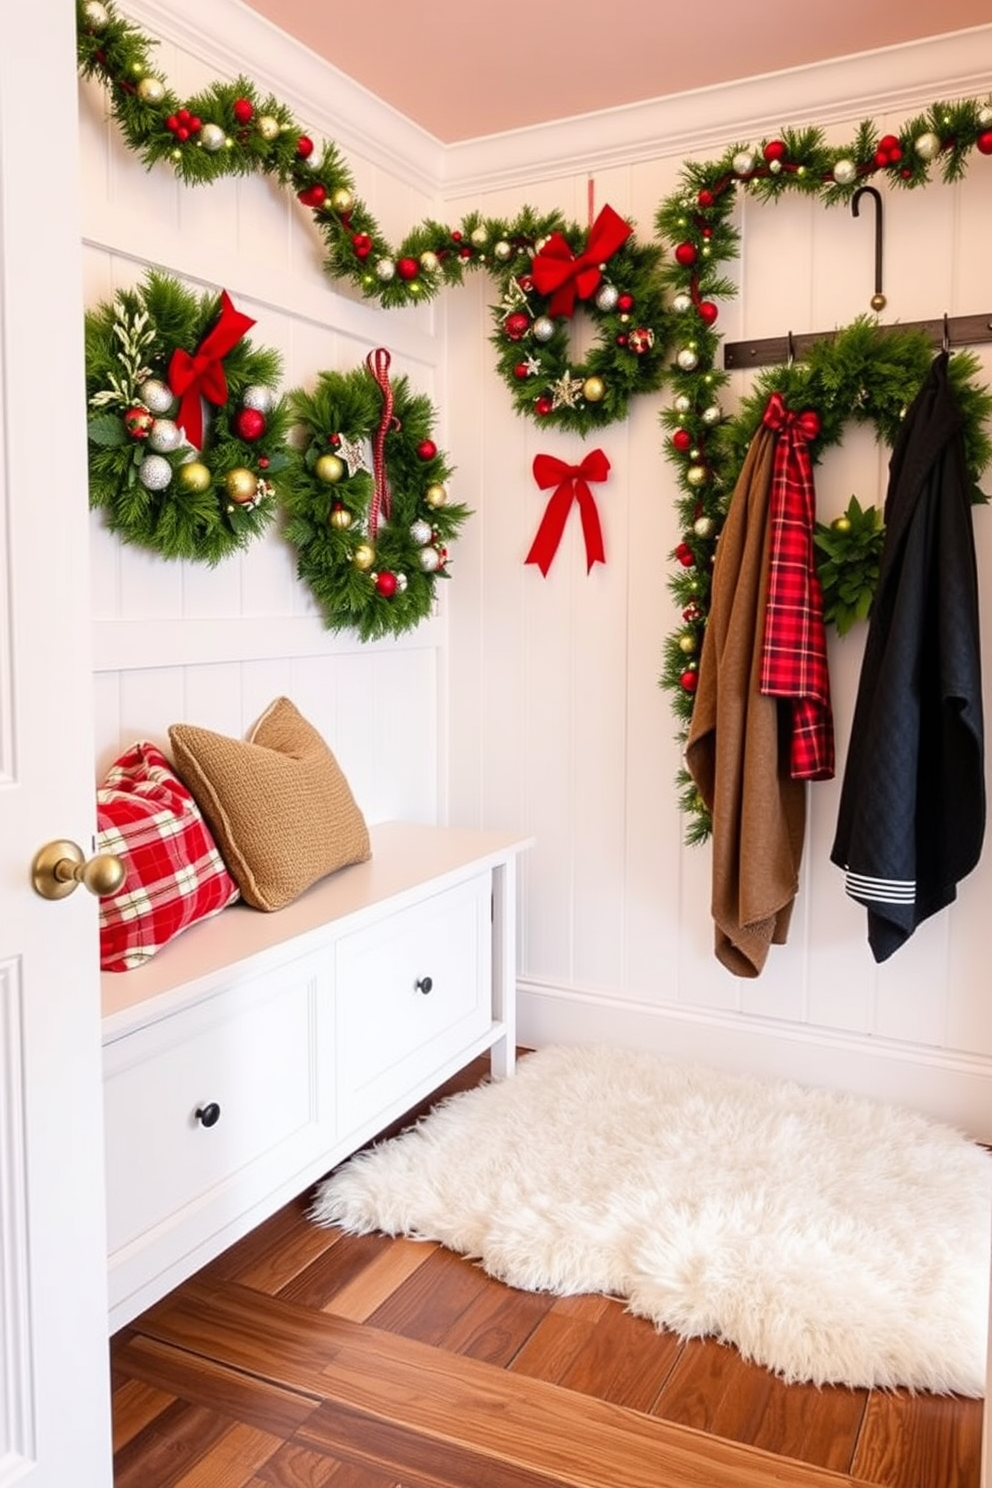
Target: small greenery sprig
(851, 555)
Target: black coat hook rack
(943, 332)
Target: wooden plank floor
(303, 1357)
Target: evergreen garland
(154, 489)
(382, 582)
(235, 129)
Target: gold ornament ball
(703, 527)
(696, 474)
(241, 485)
(687, 643)
(363, 556)
(268, 127)
(194, 476)
(878, 301)
(841, 524)
(341, 518)
(151, 90)
(342, 199)
(329, 469)
(435, 495)
(429, 262)
(593, 389)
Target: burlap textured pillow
(281, 811)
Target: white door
(54, 1382)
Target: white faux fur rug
(831, 1238)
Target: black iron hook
(945, 340)
(792, 349)
(878, 298)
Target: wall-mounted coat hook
(877, 301)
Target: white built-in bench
(258, 1050)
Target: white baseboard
(949, 1086)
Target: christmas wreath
(367, 503)
(865, 373)
(617, 282)
(165, 476)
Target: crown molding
(232, 39)
(900, 79)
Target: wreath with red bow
(186, 429)
(549, 271)
(367, 500)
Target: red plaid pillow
(174, 873)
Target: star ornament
(565, 392)
(352, 452)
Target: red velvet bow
(202, 374)
(776, 416)
(564, 277)
(571, 481)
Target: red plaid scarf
(794, 655)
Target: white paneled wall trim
(952, 1087)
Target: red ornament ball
(427, 449)
(684, 555)
(313, 196)
(622, 339)
(516, 325)
(685, 254)
(249, 424)
(521, 371)
(705, 198)
(138, 423)
(244, 110)
(774, 150)
(362, 244)
(385, 584)
(625, 303)
(407, 268)
(543, 406)
(304, 146)
(689, 680)
(682, 440)
(984, 142)
(708, 312)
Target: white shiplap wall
(533, 703)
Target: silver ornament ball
(927, 146)
(682, 302)
(743, 162)
(503, 250)
(96, 15)
(696, 474)
(155, 472)
(385, 269)
(479, 236)
(607, 297)
(712, 415)
(682, 403)
(401, 582)
(543, 328)
(985, 115)
(212, 138)
(844, 172)
(687, 359)
(429, 560)
(429, 262)
(421, 532)
(259, 397)
(156, 396)
(165, 436)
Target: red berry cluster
(184, 125)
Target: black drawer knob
(424, 984)
(208, 1115)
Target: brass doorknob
(59, 867)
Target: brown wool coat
(738, 749)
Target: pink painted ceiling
(465, 70)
